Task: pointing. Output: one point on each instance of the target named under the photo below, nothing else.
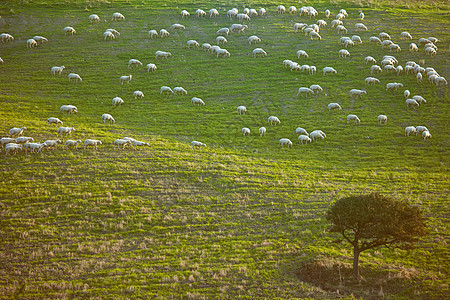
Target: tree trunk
(356, 253)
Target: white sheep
(252, 13)
(303, 139)
(40, 39)
(223, 31)
(108, 35)
(178, 90)
(375, 40)
(301, 131)
(382, 119)
(125, 78)
(314, 35)
(6, 37)
(262, 131)
(329, 70)
(312, 70)
(109, 118)
(384, 36)
(375, 69)
(316, 88)
(241, 110)
(348, 42)
(419, 77)
(206, 46)
(321, 23)
(399, 70)
(274, 120)
(253, 39)
(12, 148)
(281, 9)
(232, 13)
(405, 36)
(245, 131)
(197, 101)
(53, 120)
(371, 80)
(152, 33)
(200, 13)
(426, 135)
(285, 142)
(69, 30)
(192, 44)
(353, 118)
(423, 41)
(151, 67)
(299, 26)
(92, 143)
(292, 10)
(302, 53)
(213, 13)
(221, 40)
(113, 31)
(393, 86)
(334, 106)
(162, 54)
(70, 109)
(1, 60)
(72, 143)
(117, 101)
(6, 140)
(34, 147)
(65, 131)
(420, 129)
(238, 28)
(166, 90)
(213, 49)
(409, 130)
(357, 39)
(262, 11)
(139, 143)
(177, 26)
(117, 17)
(259, 52)
(304, 68)
(440, 81)
(336, 23)
(243, 17)
(327, 13)
(395, 48)
(305, 91)
(23, 139)
(197, 144)
(406, 93)
(360, 27)
(411, 103)
(386, 43)
(344, 53)
(58, 70)
(163, 33)
(134, 62)
(94, 18)
(222, 52)
(430, 51)
(74, 76)
(413, 47)
(355, 93)
(341, 28)
(52, 143)
(138, 94)
(184, 13)
(317, 134)
(122, 142)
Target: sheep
(292, 65)
(312, 70)
(375, 69)
(16, 131)
(138, 94)
(178, 90)
(65, 131)
(31, 43)
(314, 35)
(166, 90)
(139, 143)
(353, 118)
(177, 26)
(375, 40)
(299, 26)
(440, 81)
(292, 9)
(222, 52)
(393, 86)
(411, 102)
(1, 60)
(254, 39)
(395, 48)
(321, 23)
(184, 13)
(122, 142)
(162, 54)
(213, 13)
(341, 28)
(316, 88)
(259, 52)
(399, 70)
(197, 144)
(304, 68)
(117, 17)
(23, 139)
(421, 129)
(94, 18)
(360, 27)
(52, 143)
(389, 68)
(274, 120)
(384, 36)
(200, 13)
(243, 17)
(303, 139)
(405, 36)
(317, 134)
(6, 37)
(370, 59)
(285, 142)
(262, 11)
(245, 131)
(69, 109)
(432, 78)
(151, 67)
(53, 120)
(113, 31)
(197, 101)
(163, 33)
(13, 148)
(430, 51)
(221, 40)
(355, 93)
(419, 77)
(192, 44)
(423, 41)
(334, 106)
(213, 49)
(125, 78)
(426, 135)
(262, 131)
(231, 13)
(314, 27)
(40, 39)
(223, 31)
(108, 35)
(238, 28)
(6, 140)
(307, 30)
(301, 131)
(361, 16)
(92, 143)
(69, 30)
(409, 130)
(329, 70)
(344, 53)
(58, 70)
(304, 90)
(281, 9)
(340, 16)
(406, 93)
(371, 81)
(134, 62)
(386, 43)
(73, 76)
(241, 110)
(336, 23)
(252, 13)
(382, 119)
(109, 118)
(426, 46)
(357, 39)
(206, 46)
(327, 13)
(72, 143)
(348, 42)
(152, 33)
(117, 101)
(34, 147)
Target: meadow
(242, 218)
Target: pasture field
(242, 218)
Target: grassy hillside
(242, 217)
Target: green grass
(241, 218)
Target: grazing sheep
(184, 13)
(254, 39)
(382, 119)
(334, 106)
(375, 69)
(327, 13)
(178, 90)
(58, 70)
(375, 40)
(316, 88)
(221, 40)
(152, 33)
(197, 101)
(299, 26)
(6, 37)
(40, 39)
(440, 81)
(419, 77)
(151, 67)
(197, 144)
(73, 76)
(222, 52)
(317, 134)
(232, 13)
(421, 129)
(70, 109)
(395, 48)
(259, 52)
(213, 13)
(192, 44)
(65, 131)
(166, 90)
(409, 130)
(109, 118)
(344, 53)
(301, 131)
(241, 110)
(360, 27)
(52, 143)
(336, 23)
(312, 70)
(405, 36)
(430, 51)
(163, 33)
(122, 142)
(206, 46)
(200, 13)
(1, 60)
(69, 30)
(314, 35)
(393, 86)
(115, 32)
(108, 35)
(92, 143)
(303, 139)
(6, 140)
(12, 148)
(355, 93)
(23, 139)
(413, 47)
(94, 18)
(239, 28)
(305, 90)
(304, 68)
(262, 11)
(285, 142)
(423, 41)
(302, 53)
(384, 36)
(245, 131)
(53, 120)
(125, 78)
(213, 49)
(134, 62)
(117, 17)
(162, 54)
(371, 81)
(321, 23)
(117, 101)
(411, 102)
(386, 43)
(353, 118)
(347, 42)
(223, 31)
(262, 131)
(177, 26)
(274, 120)
(292, 9)
(329, 70)
(252, 13)
(406, 93)
(341, 28)
(73, 144)
(243, 17)
(138, 94)
(139, 143)
(281, 9)
(426, 135)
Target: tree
(373, 220)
